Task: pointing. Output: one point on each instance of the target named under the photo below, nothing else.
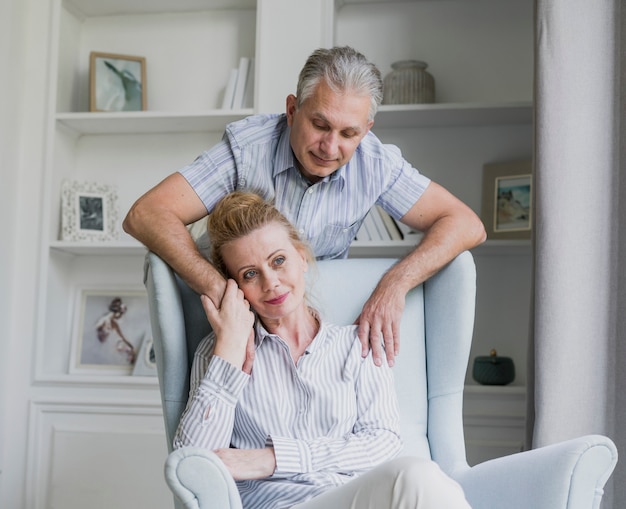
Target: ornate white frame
(104, 226)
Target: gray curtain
(579, 297)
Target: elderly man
(324, 169)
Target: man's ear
(291, 105)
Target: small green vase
(493, 370)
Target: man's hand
(449, 227)
(379, 324)
(232, 323)
(244, 464)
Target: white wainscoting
(96, 456)
(494, 419)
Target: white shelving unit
(148, 122)
(448, 140)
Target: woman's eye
(279, 260)
(249, 274)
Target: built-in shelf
(396, 116)
(90, 8)
(399, 248)
(104, 381)
(497, 247)
(385, 249)
(511, 389)
(453, 114)
(148, 122)
(121, 248)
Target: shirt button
(311, 190)
(345, 230)
(301, 231)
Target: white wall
(21, 153)
(9, 49)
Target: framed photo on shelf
(88, 211)
(108, 331)
(507, 196)
(117, 82)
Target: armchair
(430, 372)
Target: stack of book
(380, 226)
(240, 87)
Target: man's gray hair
(345, 70)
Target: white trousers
(402, 483)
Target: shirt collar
(261, 334)
(285, 160)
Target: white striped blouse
(329, 418)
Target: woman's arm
(217, 378)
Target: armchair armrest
(567, 475)
(199, 480)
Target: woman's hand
(232, 323)
(244, 464)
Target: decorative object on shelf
(88, 211)
(409, 83)
(145, 365)
(117, 82)
(507, 207)
(109, 326)
(493, 370)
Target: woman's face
(269, 270)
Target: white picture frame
(89, 211)
(109, 327)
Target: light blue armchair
(436, 336)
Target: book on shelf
(363, 234)
(229, 92)
(240, 86)
(239, 91)
(371, 226)
(248, 91)
(408, 233)
(390, 224)
(378, 214)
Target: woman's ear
(305, 259)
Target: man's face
(326, 130)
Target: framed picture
(117, 82)
(88, 211)
(109, 328)
(507, 206)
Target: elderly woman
(312, 424)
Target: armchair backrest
(436, 334)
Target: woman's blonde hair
(239, 214)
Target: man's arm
(450, 227)
(158, 220)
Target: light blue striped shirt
(255, 154)
(331, 417)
